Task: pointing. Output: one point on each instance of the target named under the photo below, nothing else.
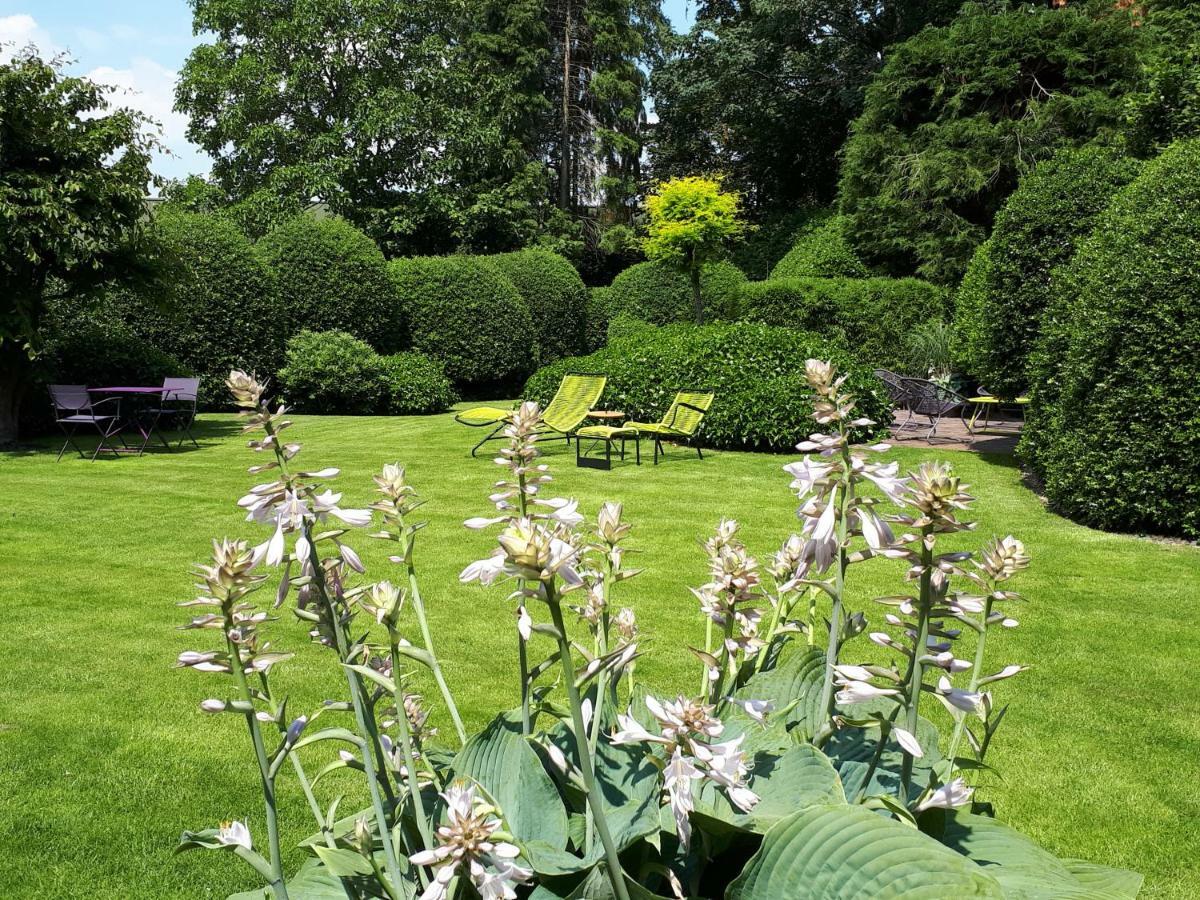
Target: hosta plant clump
(803, 762)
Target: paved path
(953, 435)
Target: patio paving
(952, 434)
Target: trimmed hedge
(872, 315)
(332, 277)
(1007, 287)
(335, 373)
(223, 310)
(596, 326)
(462, 311)
(822, 252)
(659, 294)
(1114, 428)
(556, 297)
(756, 371)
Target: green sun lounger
(680, 422)
(577, 395)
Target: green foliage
(756, 371)
(331, 276)
(596, 328)
(656, 293)
(1167, 105)
(772, 235)
(1007, 287)
(462, 311)
(822, 252)
(334, 373)
(73, 176)
(874, 316)
(1113, 430)
(959, 113)
(222, 311)
(555, 295)
(100, 349)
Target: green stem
(920, 648)
(601, 690)
(410, 764)
(594, 800)
(976, 674)
(522, 649)
(835, 614)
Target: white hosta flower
(234, 834)
(677, 779)
(862, 691)
(212, 705)
(485, 571)
(630, 731)
(948, 796)
(1006, 672)
(876, 532)
(755, 709)
(957, 699)
(524, 623)
(908, 741)
(806, 474)
(947, 661)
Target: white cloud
(19, 31)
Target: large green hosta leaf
(800, 777)
(595, 886)
(851, 751)
(798, 677)
(1023, 869)
(504, 764)
(851, 853)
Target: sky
(138, 47)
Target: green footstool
(606, 435)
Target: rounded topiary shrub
(465, 313)
(874, 316)
(555, 294)
(1117, 432)
(757, 372)
(822, 252)
(998, 308)
(332, 277)
(596, 327)
(222, 311)
(415, 384)
(659, 294)
(333, 372)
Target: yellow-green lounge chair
(680, 422)
(577, 395)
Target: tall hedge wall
(756, 371)
(1115, 426)
(998, 308)
(658, 294)
(874, 316)
(822, 252)
(556, 297)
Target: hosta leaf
(851, 750)
(798, 676)
(1023, 869)
(502, 761)
(1105, 882)
(343, 862)
(312, 881)
(847, 852)
(595, 886)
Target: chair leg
(637, 449)
(490, 436)
(698, 453)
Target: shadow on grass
(208, 433)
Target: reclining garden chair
(566, 411)
(74, 410)
(679, 423)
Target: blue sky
(138, 46)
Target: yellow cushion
(605, 432)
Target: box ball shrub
(415, 384)
(874, 316)
(999, 306)
(332, 372)
(657, 293)
(757, 372)
(223, 309)
(596, 325)
(332, 277)
(555, 294)
(462, 311)
(1117, 434)
(822, 252)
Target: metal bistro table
(145, 424)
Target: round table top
(127, 389)
(606, 414)
(992, 399)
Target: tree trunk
(564, 141)
(14, 363)
(697, 300)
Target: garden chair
(897, 392)
(679, 423)
(178, 407)
(74, 411)
(933, 401)
(566, 411)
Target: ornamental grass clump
(806, 765)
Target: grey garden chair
(178, 406)
(74, 411)
(931, 400)
(897, 392)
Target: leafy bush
(1114, 430)
(773, 236)
(656, 293)
(596, 329)
(335, 373)
(874, 316)
(465, 313)
(223, 310)
(1007, 287)
(959, 113)
(792, 773)
(555, 295)
(415, 384)
(332, 277)
(822, 252)
(756, 371)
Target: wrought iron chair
(74, 410)
(933, 401)
(179, 407)
(897, 392)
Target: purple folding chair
(74, 410)
(179, 406)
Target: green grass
(104, 757)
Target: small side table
(606, 414)
(607, 435)
(984, 404)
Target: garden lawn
(104, 757)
